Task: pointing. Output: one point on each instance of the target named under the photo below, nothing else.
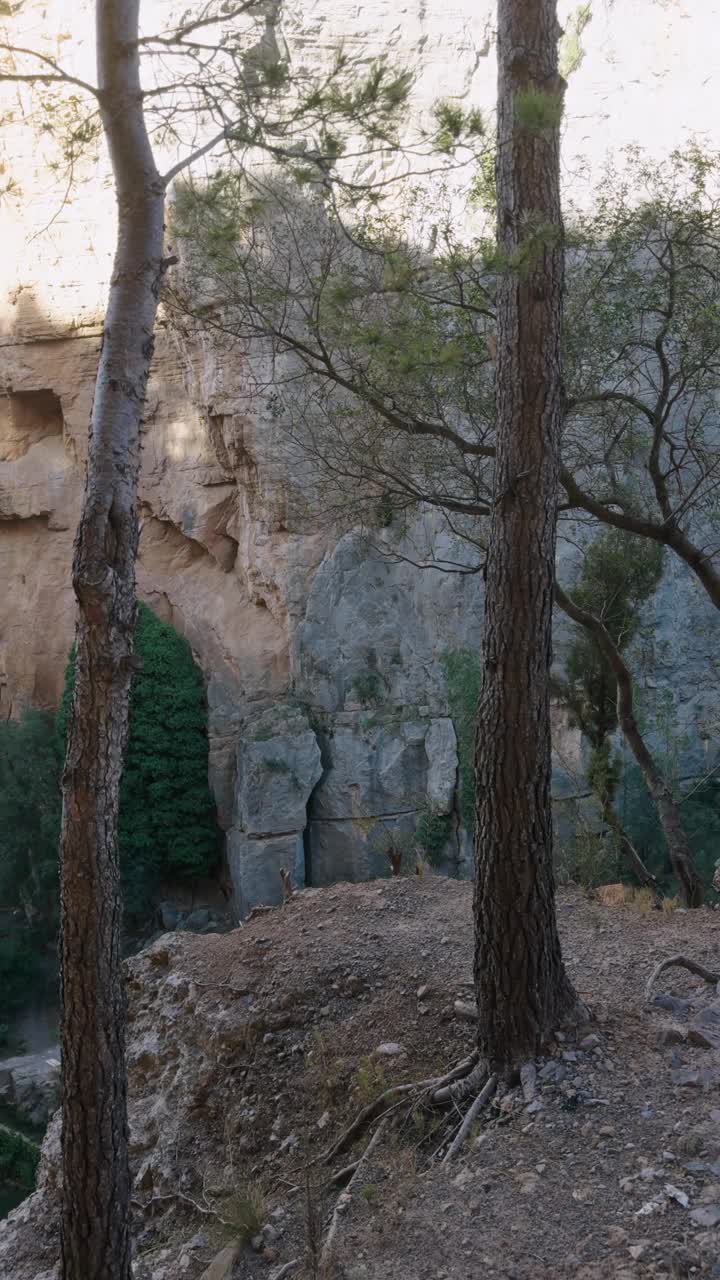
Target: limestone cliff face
(289, 624)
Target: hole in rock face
(25, 418)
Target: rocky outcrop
(343, 637)
(278, 766)
(30, 1085)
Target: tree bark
(522, 989)
(691, 886)
(96, 1179)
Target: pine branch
(55, 75)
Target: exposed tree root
(285, 1270)
(680, 962)
(370, 1113)
(342, 1200)
(482, 1099)
(446, 1088)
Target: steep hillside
(250, 1053)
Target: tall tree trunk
(691, 887)
(96, 1180)
(522, 988)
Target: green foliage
(700, 811)
(587, 857)
(537, 111)
(483, 190)
(167, 821)
(619, 574)
(30, 806)
(461, 669)
(570, 50)
(368, 688)
(432, 833)
(21, 969)
(19, 1159)
(455, 125)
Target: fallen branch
(680, 962)
(482, 1099)
(344, 1197)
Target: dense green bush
(30, 764)
(167, 823)
(700, 811)
(19, 1158)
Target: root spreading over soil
(304, 1103)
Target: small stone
(324, 1120)
(673, 1004)
(708, 1216)
(686, 1077)
(616, 1236)
(703, 1037)
(325, 1011)
(466, 1011)
(424, 991)
(390, 1049)
(671, 1035)
(590, 1042)
(607, 1131)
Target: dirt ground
(251, 1051)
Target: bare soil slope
(250, 1052)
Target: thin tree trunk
(627, 848)
(522, 988)
(691, 886)
(96, 1180)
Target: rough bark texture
(96, 1180)
(522, 989)
(689, 882)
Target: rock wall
(328, 711)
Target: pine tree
(167, 821)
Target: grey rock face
(31, 1084)
(278, 765)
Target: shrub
(432, 833)
(700, 811)
(167, 821)
(30, 805)
(19, 1159)
(368, 688)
